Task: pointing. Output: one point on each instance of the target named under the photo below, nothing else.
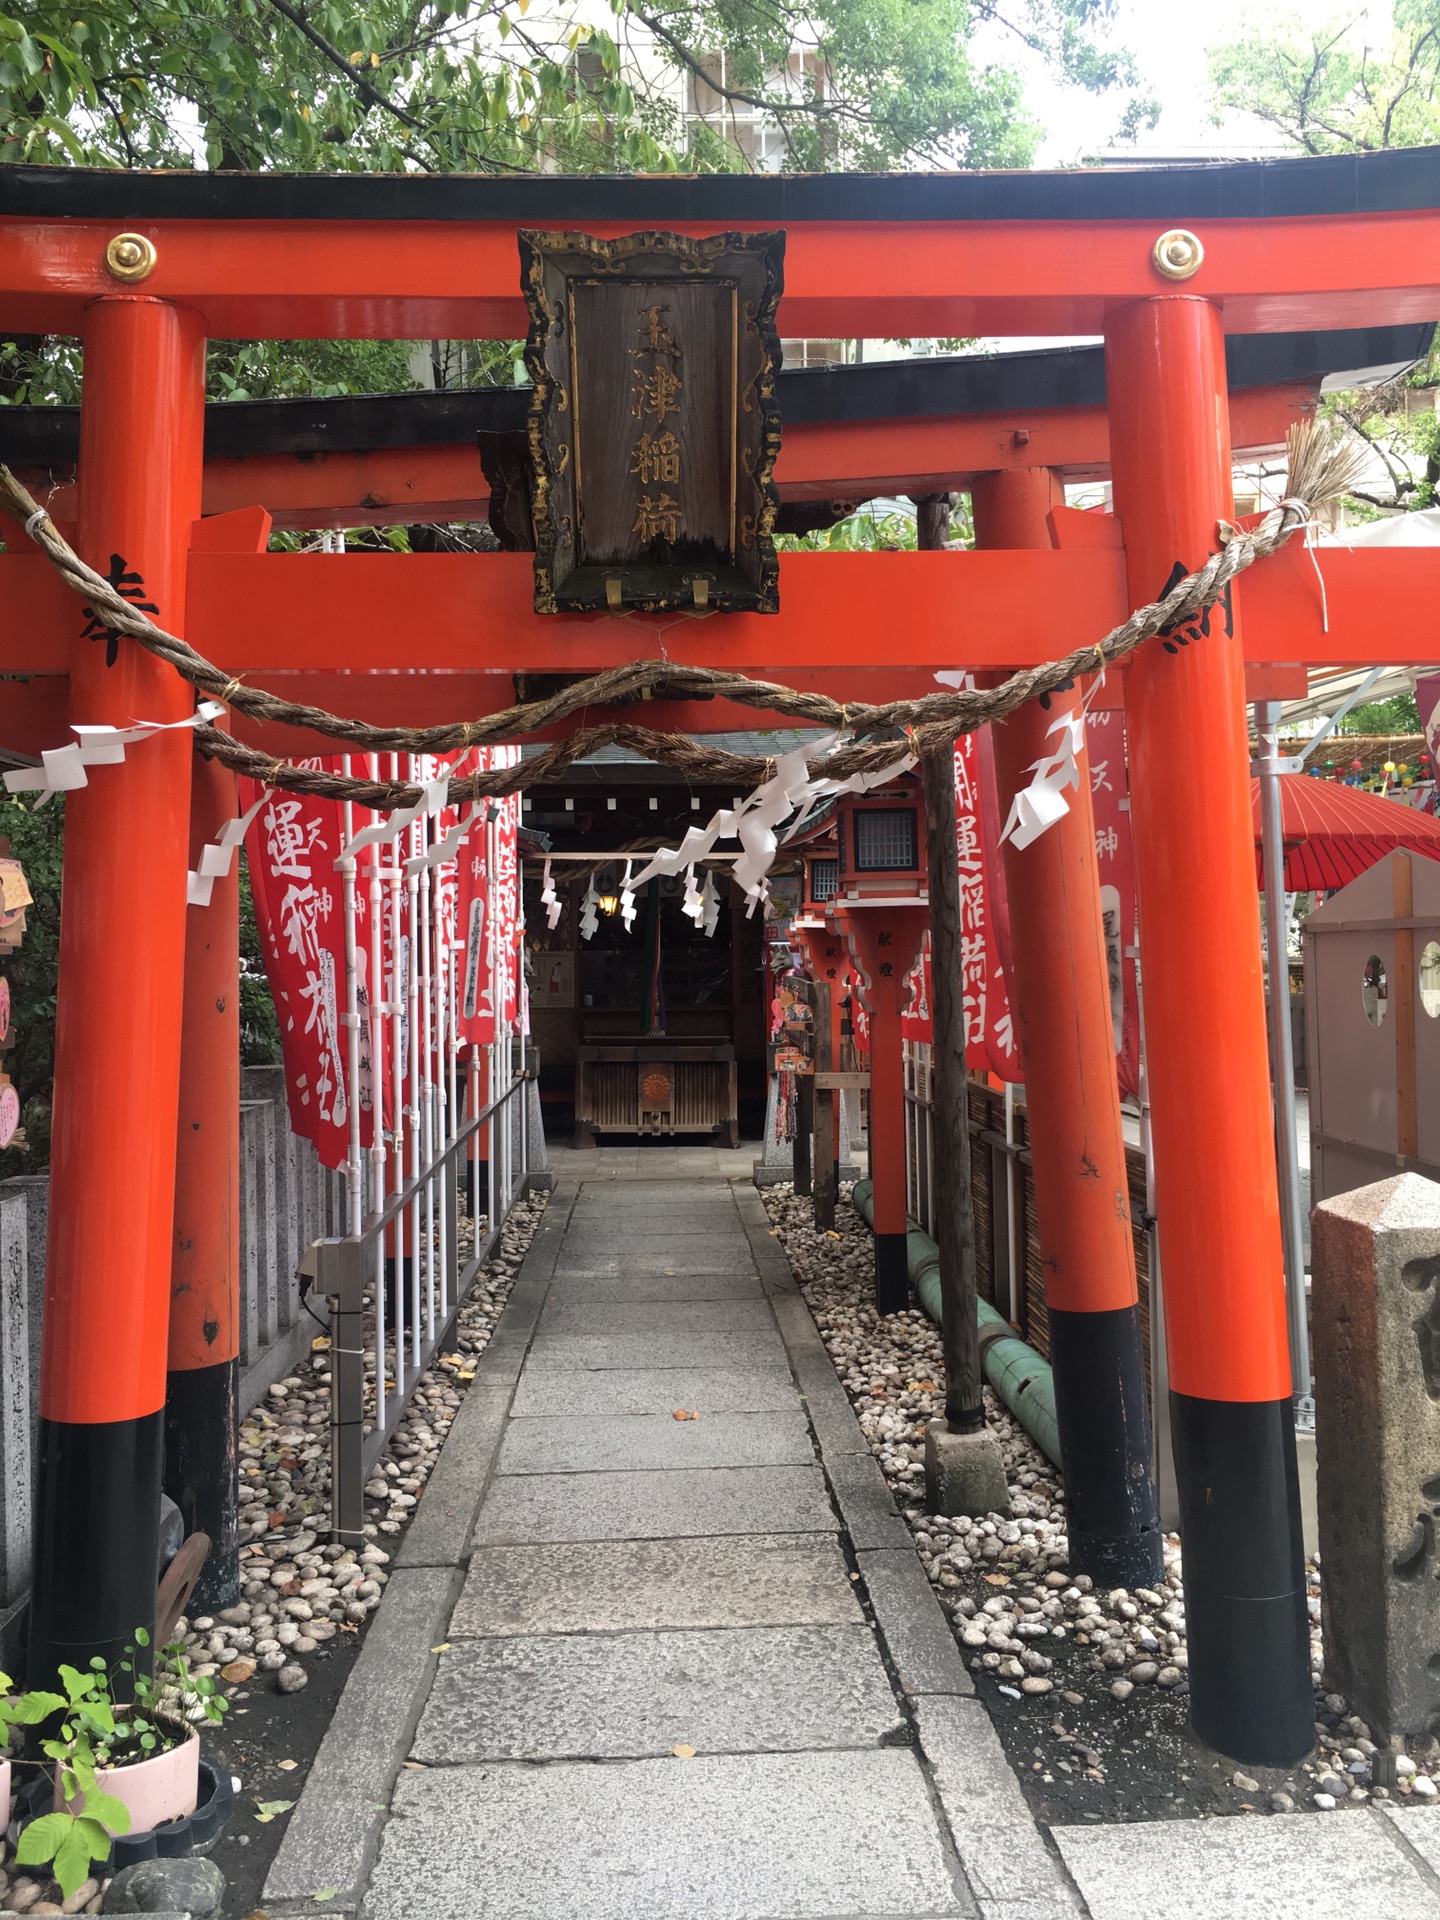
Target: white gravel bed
(1005, 1580)
(298, 1589)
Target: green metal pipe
(1018, 1374)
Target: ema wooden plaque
(654, 425)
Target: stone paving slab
(560, 1353)
(805, 1836)
(1334, 1867)
(917, 1635)
(826, 1401)
(639, 1226)
(632, 1695)
(638, 1287)
(619, 1585)
(657, 1442)
(1420, 1827)
(574, 1317)
(436, 1536)
(1012, 1873)
(694, 1253)
(329, 1838)
(866, 1504)
(654, 1506)
(619, 1390)
(596, 1205)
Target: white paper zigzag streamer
(63, 769)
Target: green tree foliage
(259, 1027)
(36, 838)
(1353, 84)
(1398, 421)
(484, 86)
(1398, 715)
(496, 85)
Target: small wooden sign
(654, 425)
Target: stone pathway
(635, 1667)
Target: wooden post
(822, 1132)
(804, 1128)
(949, 1115)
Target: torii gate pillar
(1067, 1052)
(1219, 1219)
(202, 1414)
(117, 1031)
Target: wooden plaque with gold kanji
(654, 425)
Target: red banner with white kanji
(291, 849)
(989, 1031)
(989, 1028)
(1115, 860)
(915, 1021)
(488, 915)
(505, 893)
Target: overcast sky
(1169, 39)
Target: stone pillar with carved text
(1375, 1326)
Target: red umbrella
(1332, 833)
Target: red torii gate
(1310, 244)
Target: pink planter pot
(4, 1795)
(156, 1790)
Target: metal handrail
(344, 1267)
(411, 1190)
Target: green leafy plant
(162, 1701)
(108, 1716)
(81, 1829)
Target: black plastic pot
(194, 1832)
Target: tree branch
(355, 75)
(372, 95)
(814, 109)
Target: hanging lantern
(820, 877)
(1357, 766)
(1389, 766)
(881, 848)
(824, 948)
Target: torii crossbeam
(1308, 244)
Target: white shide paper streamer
(62, 769)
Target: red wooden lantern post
(827, 961)
(883, 909)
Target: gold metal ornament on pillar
(1177, 254)
(130, 257)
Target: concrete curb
(1012, 1873)
(331, 1836)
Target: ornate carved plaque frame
(654, 424)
